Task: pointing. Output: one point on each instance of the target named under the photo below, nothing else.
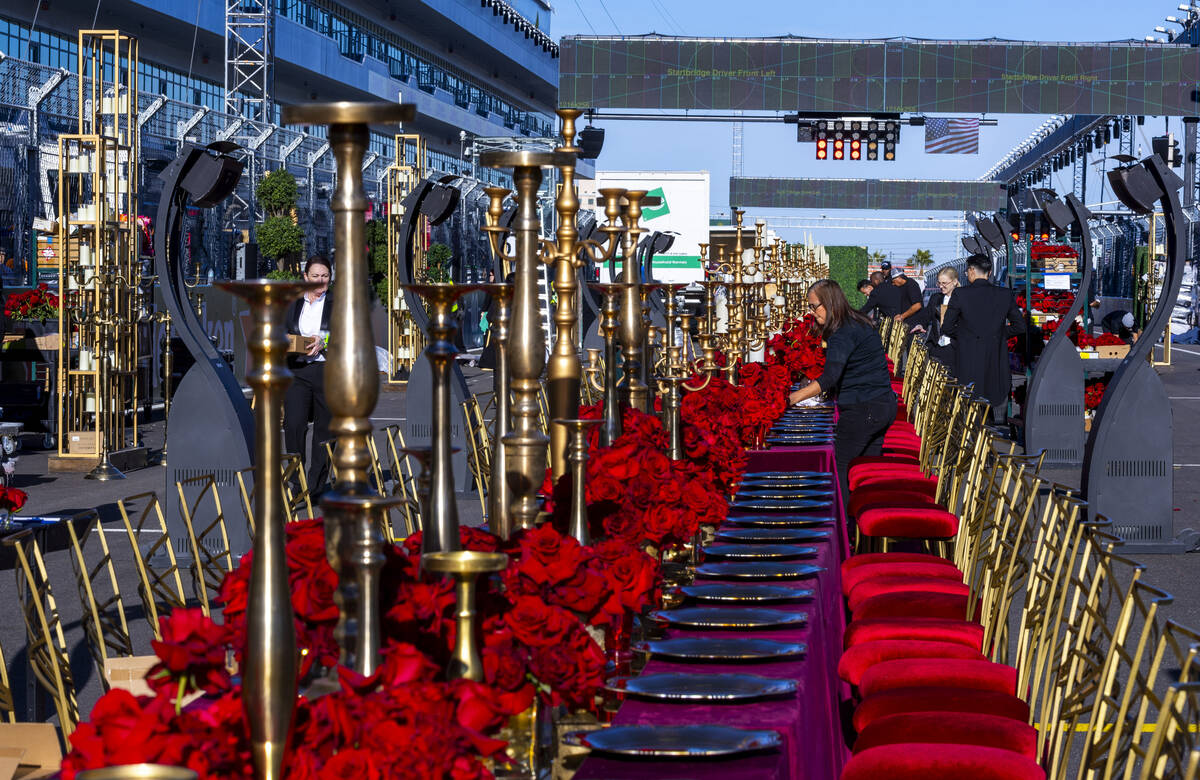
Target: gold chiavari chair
(8, 708)
(46, 645)
(160, 585)
(403, 481)
(212, 557)
(297, 501)
(1174, 749)
(245, 478)
(104, 620)
(479, 459)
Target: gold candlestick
(499, 494)
(464, 566)
(525, 446)
(354, 512)
(578, 524)
(634, 390)
(269, 671)
(138, 772)
(608, 327)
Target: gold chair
(1174, 749)
(403, 481)
(244, 493)
(479, 452)
(212, 557)
(298, 502)
(49, 657)
(160, 585)
(104, 620)
(8, 709)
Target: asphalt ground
(60, 494)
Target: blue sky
(771, 149)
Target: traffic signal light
(839, 149)
(822, 149)
(856, 139)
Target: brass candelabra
(578, 430)
(465, 566)
(608, 328)
(499, 493)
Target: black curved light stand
(210, 427)
(1054, 400)
(1127, 465)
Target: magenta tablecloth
(813, 746)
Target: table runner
(813, 747)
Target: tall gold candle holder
(465, 566)
(578, 524)
(608, 327)
(525, 445)
(354, 512)
(634, 390)
(441, 525)
(138, 772)
(269, 670)
(499, 494)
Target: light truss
(249, 73)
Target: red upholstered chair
(880, 495)
(959, 672)
(867, 559)
(912, 522)
(934, 761)
(938, 699)
(949, 606)
(860, 574)
(903, 583)
(861, 658)
(963, 728)
(926, 629)
(879, 472)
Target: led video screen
(886, 194)
(881, 76)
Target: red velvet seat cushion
(867, 559)
(902, 450)
(927, 629)
(878, 472)
(933, 761)
(965, 728)
(858, 574)
(902, 583)
(950, 606)
(939, 699)
(866, 460)
(893, 436)
(860, 659)
(958, 671)
(868, 497)
(916, 522)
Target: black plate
(720, 648)
(744, 593)
(786, 474)
(781, 504)
(772, 535)
(741, 618)
(759, 551)
(685, 687)
(784, 491)
(686, 742)
(778, 521)
(757, 570)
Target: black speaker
(591, 141)
(211, 179)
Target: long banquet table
(809, 721)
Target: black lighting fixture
(991, 232)
(591, 142)
(972, 245)
(1135, 187)
(1054, 210)
(852, 139)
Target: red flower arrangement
(798, 348)
(36, 304)
(1093, 393)
(12, 499)
(1103, 340)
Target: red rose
(191, 654)
(536, 624)
(350, 764)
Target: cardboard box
(29, 751)
(1059, 264)
(298, 344)
(129, 673)
(81, 442)
(1118, 352)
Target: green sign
(654, 212)
(676, 261)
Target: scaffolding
(405, 340)
(98, 266)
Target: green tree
(377, 255)
(437, 263)
(921, 259)
(282, 240)
(277, 193)
(876, 257)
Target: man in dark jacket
(980, 318)
(886, 298)
(910, 295)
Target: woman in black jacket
(929, 319)
(855, 373)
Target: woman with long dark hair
(855, 374)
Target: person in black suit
(305, 398)
(980, 318)
(910, 295)
(929, 319)
(886, 298)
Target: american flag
(951, 136)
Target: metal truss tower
(249, 55)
